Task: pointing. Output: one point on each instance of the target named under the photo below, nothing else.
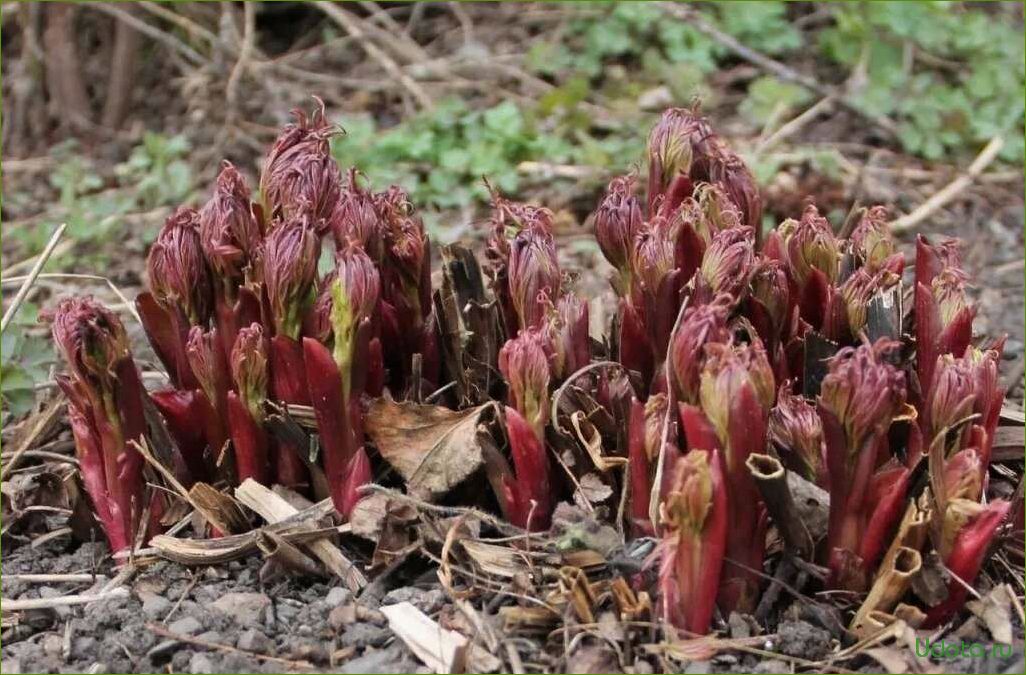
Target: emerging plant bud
(873, 245)
(91, 338)
(356, 220)
(949, 291)
(859, 398)
(694, 516)
(678, 141)
(952, 395)
(290, 273)
(700, 326)
(850, 307)
(736, 392)
(524, 362)
(208, 364)
(653, 255)
(507, 221)
(533, 276)
(616, 223)
(932, 259)
(717, 210)
(963, 479)
(354, 298)
(177, 269)
(229, 233)
(299, 176)
(770, 291)
(528, 493)
(728, 263)
(729, 171)
(811, 247)
(105, 408)
(406, 287)
(975, 525)
(568, 331)
(796, 431)
(863, 392)
(943, 321)
(249, 369)
(731, 373)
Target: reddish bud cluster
(727, 347)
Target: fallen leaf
(590, 438)
(433, 448)
(593, 489)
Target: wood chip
(438, 648)
(274, 508)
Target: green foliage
(951, 76)
(156, 174)
(442, 156)
(771, 99)
(26, 353)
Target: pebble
(52, 644)
(363, 635)
(253, 640)
(429, 601)
(155, 606)
(201, 663)
(337, 596)
(246, 608)
(187, 625)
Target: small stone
(82, 645)
(201, 663)
(11, 666)
(52, 644)
(187, 625)
(341, 616)
(211, 636)
(337, 596)
(253, 640)
(428, 602)
(363, 635)
(698, 668)
(771, 666)
(245, 608)
(155, 606)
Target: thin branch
(772, 66)
(952, 189)
(352, 25)
(26, 286)
(151, 31)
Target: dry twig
(352, 25)
(952, 189)
(26, 286)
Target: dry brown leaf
(433, 448)
(223, 512)
(593, 489)
(590, 438)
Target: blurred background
(114, 113)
